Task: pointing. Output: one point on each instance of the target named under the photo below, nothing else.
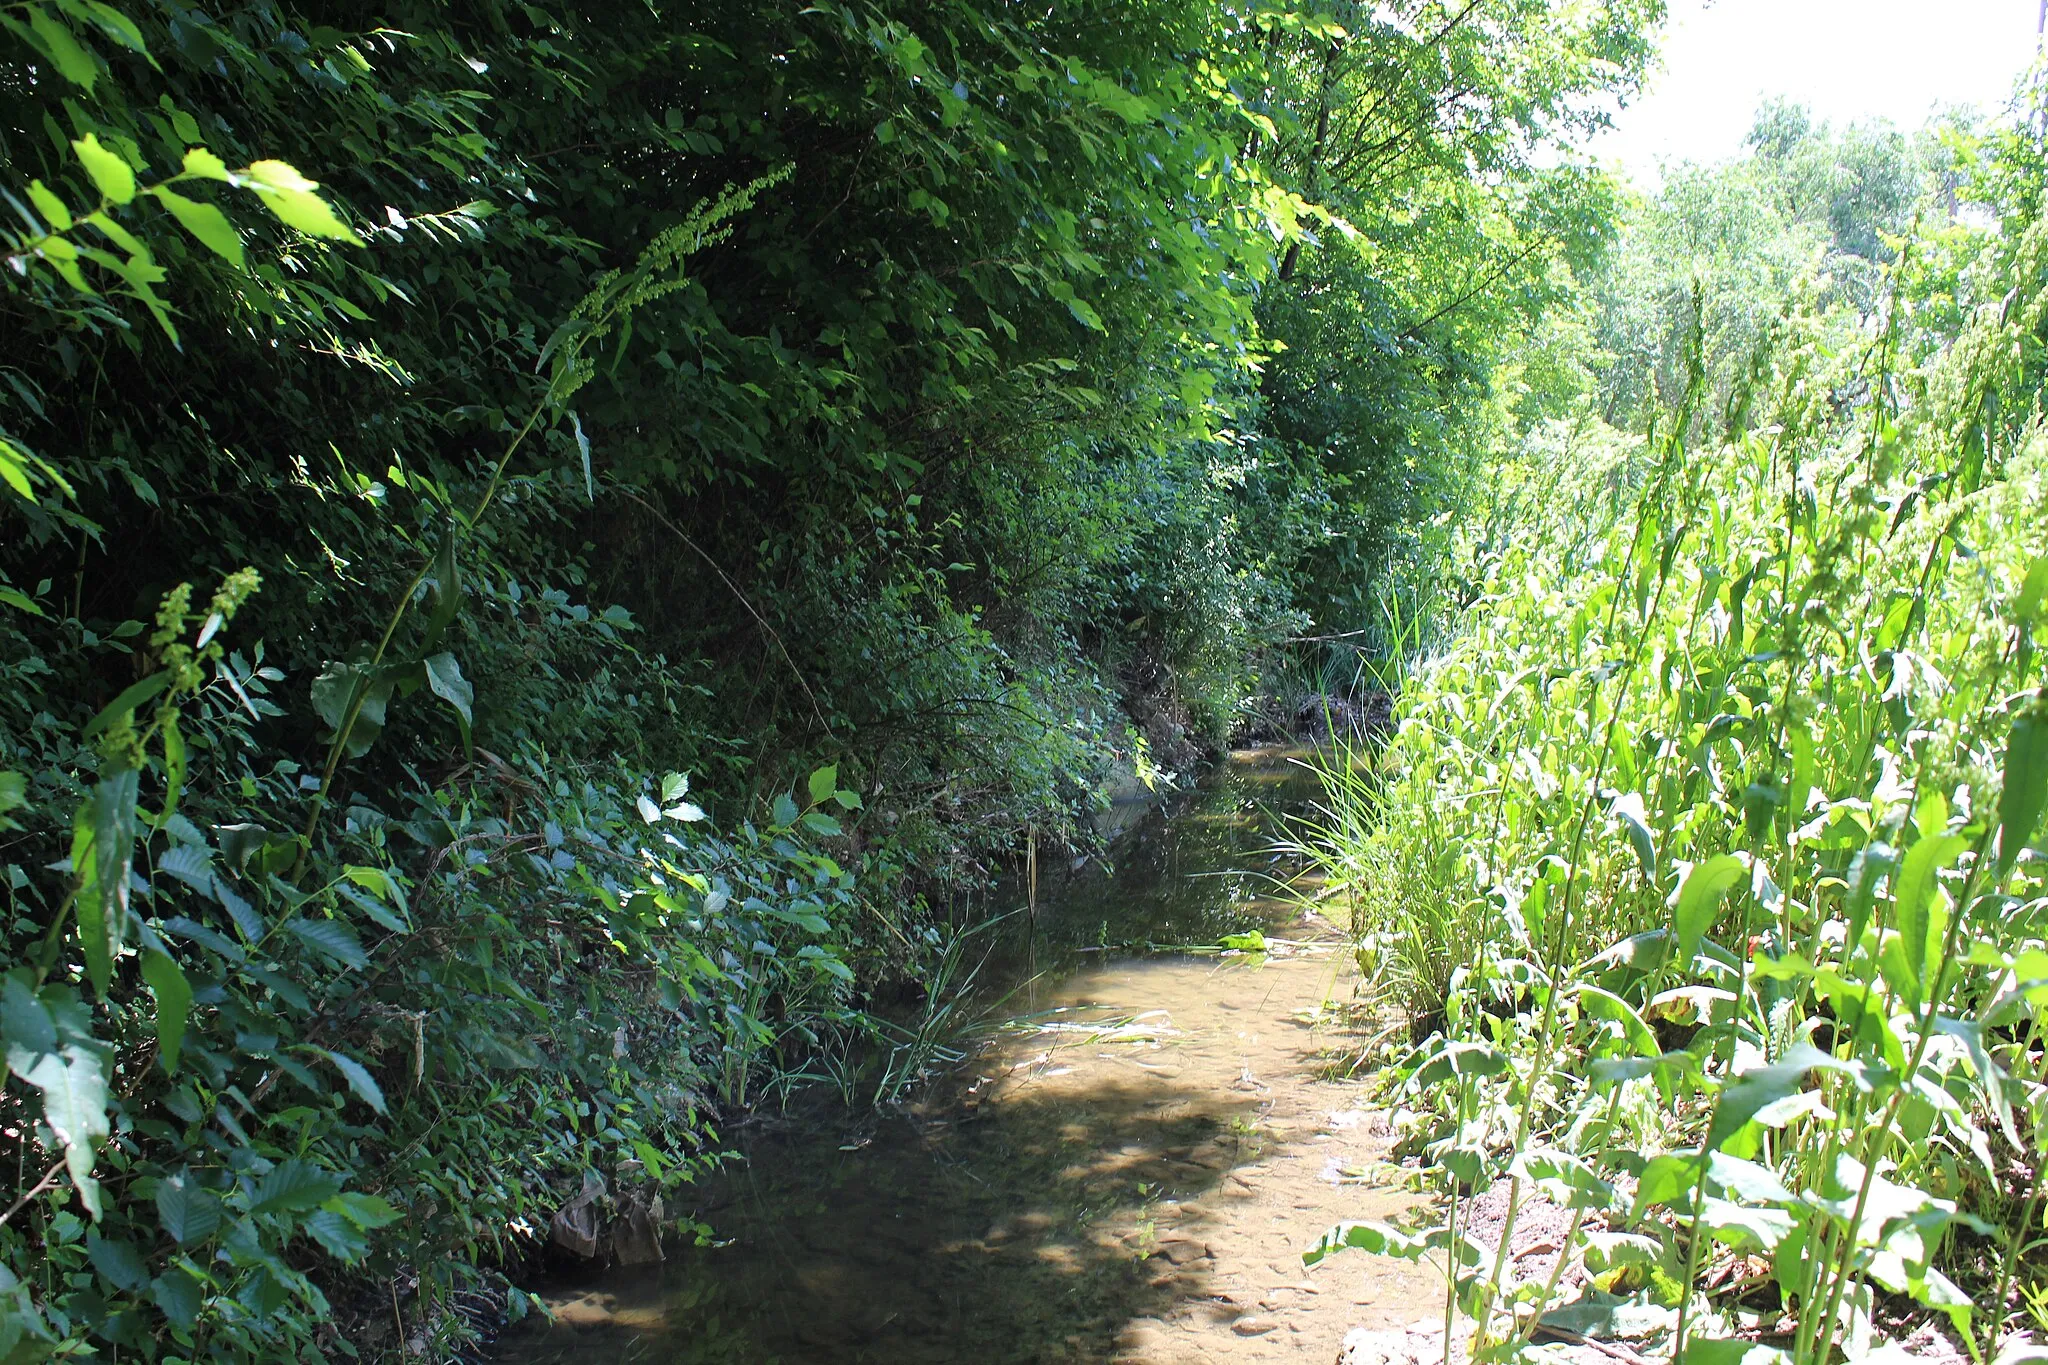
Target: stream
(1124, 1164)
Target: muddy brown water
(1125, 1166)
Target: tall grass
(1721, 800)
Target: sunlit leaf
(1913, 905)
(77, 65)
(205, 222)
(112, 175)
(2026, 782)
(294, 200)
(1699, 898)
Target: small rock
(1253, 1326)
(1142, 1334)
(584, 1313)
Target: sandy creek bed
(1126, 1166)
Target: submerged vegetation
(1707, 857)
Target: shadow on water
(1039, 1198)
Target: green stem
(1555, 968)
(1881, 1133)
(361, 693)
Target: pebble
(1253, 1327)
(589, 1311)
(1183, 1250)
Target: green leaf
(1747, 1180)
(201, 164)
(785, 811)
(1699, 898)
(445, 598)
(376, 909)
(25, 1025)
(1667, 1179)
(113, 176)
(179, 1296)
(332, 938)
(342, 1239)
(823, 783)
(823, 960)
(74, 1086)
(1613, 1071)
(1459, 1059)
(1913, 897)
(174, 768)
(119, 27)
(2026, 782)
(364, 1210)
(188, 1211)
(1569, 1181)
(13, 796)
(1872, 864)
(103, 849)
(1085, 314)
(293, 1187)
(131, 698)
(1743, 1227)
(379, 882)
(291, 197)
(1715, 1351)
(583, 448)
(1748, 1093)
(173, 1004)
(1382, 1240)
(444, 676)
(207, 223)
(15, 476)
(2033, 595)
(118, 1261)
(1606, 1005)
(49, 205)
(1635, 823)
(818, 823)
(76, 64)
(358, 1077)
(335, 693)
(1377, 1238)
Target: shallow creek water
(1125, 1166)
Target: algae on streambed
(1125, 1166)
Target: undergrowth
(1706, 855)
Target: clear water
(1024, 1207)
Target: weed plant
(1710, 851)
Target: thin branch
(49, 1181)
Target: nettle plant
(1741, 761)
